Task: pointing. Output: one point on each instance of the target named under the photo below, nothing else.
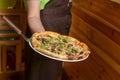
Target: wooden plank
(117, 1)
(108, 10)
(99, 25)
(97, 66)
(101, 66)
(82, 28)
(98, 18)
(10, 42)
(97, 38)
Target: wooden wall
(97, 23)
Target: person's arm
(34, 20)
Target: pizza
(59, 46)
